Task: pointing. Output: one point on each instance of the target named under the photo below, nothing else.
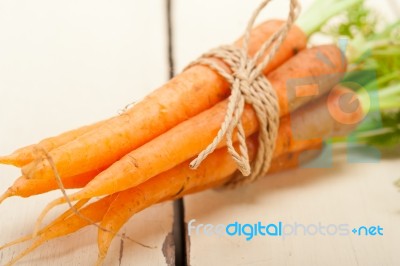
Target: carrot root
(17, 241)
(60, 218)
(100, 260)
(43, 214)
(8, 159)
(6, 195)
(26, 252)
(66, 223)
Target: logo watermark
(343, 111)
(281, 229)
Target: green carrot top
(373, 53)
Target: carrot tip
(7, 160)
(25, 252)
(16, 241)
(14, 159)
(6, 195)
(100, 260)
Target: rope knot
(241, 77)
(248, 85)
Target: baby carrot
(181, 180)
(310, 115)
(154, 190)
(188, 139)
(69, 222)
(285, 141)
(177, 182)
(191, 92)
(24, 187)
(66, 225)
(29, 153)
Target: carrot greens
(373, 53)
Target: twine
(74, 209)
(248, 85)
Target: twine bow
(248, 85)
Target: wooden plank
(65, 64)
(355, 194)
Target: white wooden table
(68, 63)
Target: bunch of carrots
(141, 157)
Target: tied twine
(248, 85)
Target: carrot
(69, 222)
(340, 114)
(284, 162)
(285, 142)
(164, 186)
(214, 171)
(308, 126)
(183, 142)
(293, 69)
(191, 92)
(283, 73)
(27, 187)
(176, 183)
(24, 187)
(29, 153)
(202, 122)
(156, 189)
(67, 225)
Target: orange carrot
(191, 92)
(310, 115)
(292, 69)
(338, 116)
(204, 178)
(164, 186)
(69, 222)
(284, 162)
(135, 199)
(181, 180)
(24, 187)
(177, 182)
(178, 144)
(66, 225)
(285, 142)
(29, 153)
